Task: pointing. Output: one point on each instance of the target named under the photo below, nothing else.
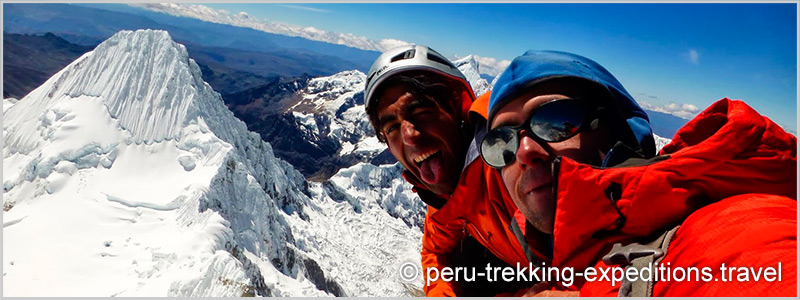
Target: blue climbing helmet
(534, 67)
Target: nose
(409, 132)
(530, 151)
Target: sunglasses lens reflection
(553, 122)
(499, 147)
(558, 120)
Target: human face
(529, 178)
(424, 137)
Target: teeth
(422, 157)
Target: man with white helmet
(418, 102)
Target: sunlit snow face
(529, 178)
(423, 136)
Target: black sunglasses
(552, 122)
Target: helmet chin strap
(619, 154)
(595, 122)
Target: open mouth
(420, 158)
(430, 166)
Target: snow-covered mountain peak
(469, 59)
(128, 139)
(142, 88)
(131, 166)
(142, 78)
(136, 180)
(469, 65)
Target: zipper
(475, 233)
(463, 235)
(556, 170)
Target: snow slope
(125, 175)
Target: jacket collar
(728, 149)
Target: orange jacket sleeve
(438, 242)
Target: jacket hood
(535, 67)
(727, 150)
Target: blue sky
(683, 53)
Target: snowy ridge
(8, 103)
(127, 96)
(136, 180)
(333, 107)
(331, 92)
(490, 66)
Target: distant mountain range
(283, 62)
(232, 36)
(664, 124)
(29, 60)
(85, 24)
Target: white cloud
(391, 43)
(488, 65)
(242, 19)
(694, 56)
(305, 8)
(681, 110)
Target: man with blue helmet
(577, 156)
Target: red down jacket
(730, 156)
